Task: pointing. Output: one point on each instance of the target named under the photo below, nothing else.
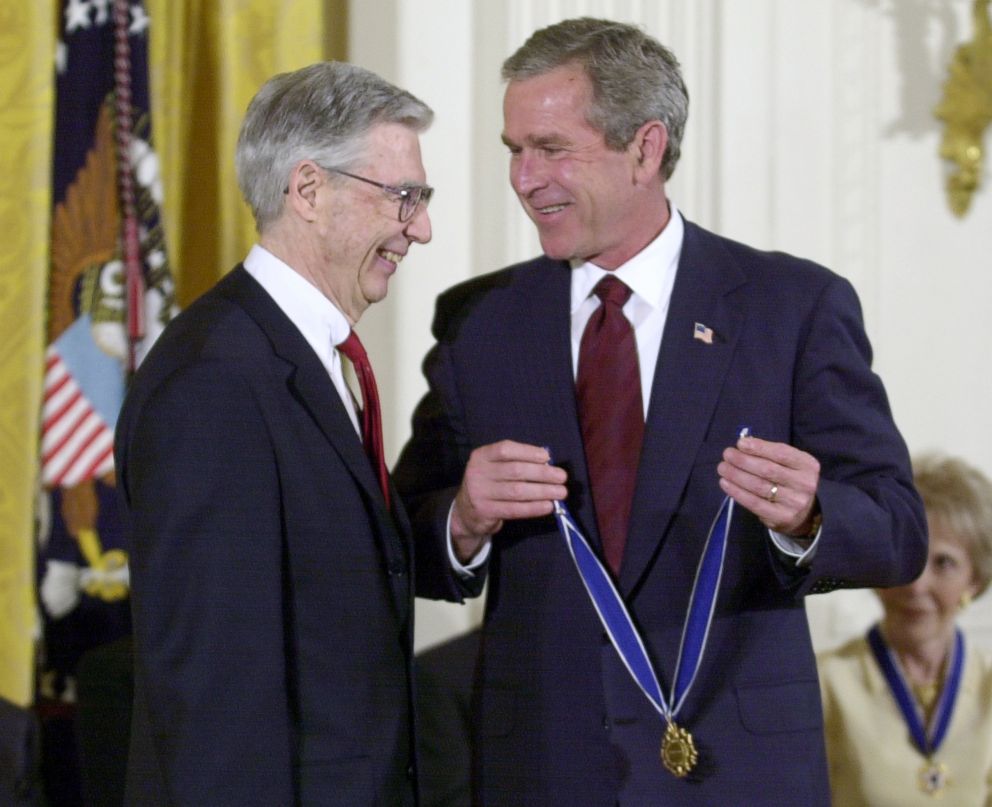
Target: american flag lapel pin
(702, 333)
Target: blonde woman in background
(908, 708)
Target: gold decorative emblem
(933, 778)
(966, 110)
(678, 751)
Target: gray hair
(959, 497)
(634, 78)
(323, 113)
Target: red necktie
(371, 414)
(611, 414)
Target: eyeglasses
(410, 196)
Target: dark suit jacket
(445, 686)
(271, 589)
(20, 754)
(560, 721)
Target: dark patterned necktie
(371, 414)
(611, 414)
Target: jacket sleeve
(874, 526)
(200, 489)
(430, 467)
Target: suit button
(606, 723)
(396, 569)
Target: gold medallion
(678, 751)
(933, 778)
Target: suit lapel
(546, 361)
(309, 383)
(687, 382)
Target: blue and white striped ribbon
(620, 627)
(927, 738)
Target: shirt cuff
(465, 572)
(801, 550)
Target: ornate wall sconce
(966, 110)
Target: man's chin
(376, 293)
(557, 251)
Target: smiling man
(631, 353)
(271, 566)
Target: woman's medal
(933, 777)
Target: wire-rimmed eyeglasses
(410, 196)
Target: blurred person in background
(908, 707)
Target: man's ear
(304, 180)
(649, 145)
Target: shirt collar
(318, 319)
(650, 273)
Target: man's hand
(504, 480)
(774, 481)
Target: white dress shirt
(650, 274)
(319, 321)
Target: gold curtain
(207, 58)
(27, 41)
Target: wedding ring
(773, 494)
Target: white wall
(810, 131)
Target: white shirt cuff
(801, 550)
(466, 572)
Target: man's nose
(921, 583)
(418, 228)
(527, 173)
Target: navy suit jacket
(271, 589)
(559, 720)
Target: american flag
(702, 333)
(77, 441)
(110, 289)
(110, 294)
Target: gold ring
(773, 494)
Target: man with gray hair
(642, 656)
(271, 562)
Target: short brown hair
(959, 496)
(634, 78)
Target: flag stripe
(54, 440)
(52, 389)
(97, 454)
(75, 447)
(52, 420)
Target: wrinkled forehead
(566, 85)
(540, 107)
(392, 152)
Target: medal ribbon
(620, 627)
(927, 739)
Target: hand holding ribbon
(775, 481)
(505, 480)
